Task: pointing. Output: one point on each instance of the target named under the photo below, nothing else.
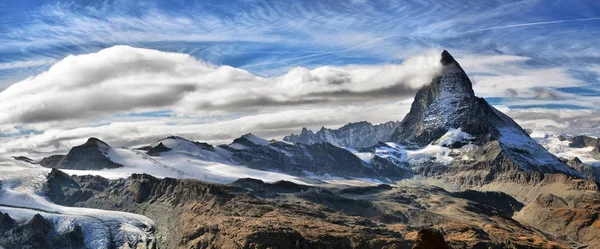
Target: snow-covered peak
(95, 142)
(182, 145)
(256, 140)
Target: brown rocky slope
(253, 214)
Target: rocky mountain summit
(583, 141)
(92, 155)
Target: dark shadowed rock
(590, 172)
(261, 188)
(586, 141)
(156, 150)
(93, 155)
(23, 158)
(51, 161)
(498, 200)
(39, 233)
(6, 222)
(430, 239)
(366, 190)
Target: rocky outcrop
(582, 141)
(92, 155)
(501, 201)
(156, 150)
(23, 158)
(353, 135)
(590, 172)
(573, 217)
(194, 214)
(254, 214)
(37, 233)
(430, 239)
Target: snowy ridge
(562, 148)
(525, 151)
(207, 152)
(353, 135)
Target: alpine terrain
(454, 173)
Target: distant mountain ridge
(353, 135)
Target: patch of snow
(562, 149)
(431, 152)
(454, 136)
(256, 140)
(238, 146)
(364, 156)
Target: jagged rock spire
(447, 58)
(439, 105)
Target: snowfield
(21, 197)
(561, 149)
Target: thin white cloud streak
(26, 64)
(531, 24)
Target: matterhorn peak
(447, 58)
(441, 105)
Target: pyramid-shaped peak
(447, 58)
(95, 141)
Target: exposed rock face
(193, 214)
(93, 155)
(584, 141)
(320, 159)
(37, 233)
(572, 217)
(51, 161)
(23, 158)
(353, 135)
(501, 201)
(430, 239)
(590, 172)
(450, 103)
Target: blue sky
(546, 51)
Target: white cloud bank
(123, 79)
(94, 94)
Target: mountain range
(454, 172)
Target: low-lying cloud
(124, 79)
